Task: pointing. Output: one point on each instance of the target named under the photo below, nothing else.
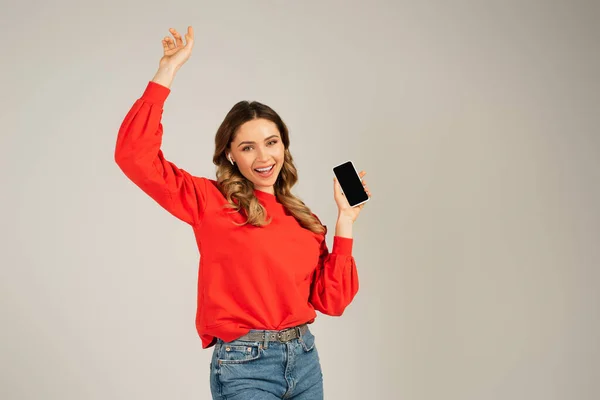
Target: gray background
(477, 124)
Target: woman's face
(258, 145)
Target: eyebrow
(247, 142)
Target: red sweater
(273, 277)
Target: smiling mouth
(263, 170)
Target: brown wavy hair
(238, 190)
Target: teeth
(264, 169)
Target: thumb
(337, 191)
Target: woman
(264, 266)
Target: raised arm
(138, 149)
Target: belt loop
(265, 340)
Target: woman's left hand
(345, 211)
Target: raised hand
(345, 211)
(176, 52)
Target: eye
(246, 148)
(273, 141)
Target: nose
(263, 154)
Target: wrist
(165, 75)
(168, 69)
(342, 219)
(343, 227)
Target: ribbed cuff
(342, 246)
(155, 93)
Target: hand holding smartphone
(351, 183)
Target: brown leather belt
(282, 336)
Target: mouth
(265, 172)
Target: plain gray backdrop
(476, 121)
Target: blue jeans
(266, 370)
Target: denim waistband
(269, 334)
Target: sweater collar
(266, 197)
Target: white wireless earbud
(230, 160)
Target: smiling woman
(251, 153)
(265, 268)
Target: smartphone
(350, 183)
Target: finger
(169, 41)
(366, 188)
(337, 191)
(177, 36)
(336, 187)
(362, 173)
(364, 183)
(166, 43)
(189, 36)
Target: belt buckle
(285, 335)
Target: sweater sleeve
(335, 280)
(138, 154)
